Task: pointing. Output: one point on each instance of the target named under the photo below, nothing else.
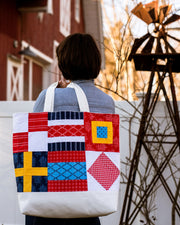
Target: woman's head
(79, 57)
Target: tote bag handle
(81, 97)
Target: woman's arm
(39, 104)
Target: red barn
(30, 31)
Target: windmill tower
(155, 52)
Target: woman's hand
(62, 83)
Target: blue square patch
(102, 132)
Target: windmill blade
(141, 13)
(172, 19)
(165, 10)
(152, 9)
(148, 47)
(176, 39)
(172, 28)
(153, 14)
(152, 5)
(168, 46)
(168, 10)
(162, 12)
(171, 48)
(137, 43)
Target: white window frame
(65, 17)
(77, 10)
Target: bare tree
(122, 81)
(118, 41)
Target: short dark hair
(79, 57)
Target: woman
(79, 60)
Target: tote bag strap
(49, 98)
(81, 97)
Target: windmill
(158, 39)
(156, 51)
(158, 21)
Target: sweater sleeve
(39, 104)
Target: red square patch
(90, 120)
(20, 142)
(38, 122)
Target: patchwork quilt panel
(66, 151)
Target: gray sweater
(65, 99)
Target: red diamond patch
(104, 171)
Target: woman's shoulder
(101, 95)
(100, 102)
(62, 95)
(39, 104)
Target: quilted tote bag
(67, 164)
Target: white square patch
(38, 141)
(20, 122)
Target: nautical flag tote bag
(67, 164)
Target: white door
(14, 80)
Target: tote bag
(67, 164)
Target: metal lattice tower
(146, 52)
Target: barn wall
(9, 31)
(38, 30)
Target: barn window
(65, 17)
(77, 10)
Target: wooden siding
(37, 30)
(75, 26)
(9, 31)
(41, 34)
(36, 80)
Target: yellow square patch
(107, 127)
